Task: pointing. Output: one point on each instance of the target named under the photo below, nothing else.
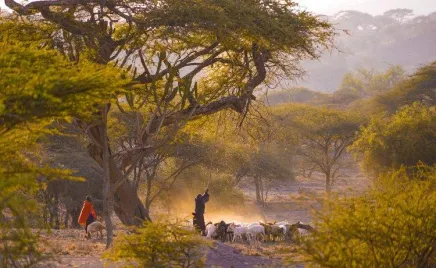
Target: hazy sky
(375, 7)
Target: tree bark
(262, 191)
(127, 205)
(56, 211)
(257, 183)
(328, 184)
(108, 197)
(75, 212)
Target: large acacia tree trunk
(127, 205)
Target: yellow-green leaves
(392, 226)
(159, 244)
(38, 83)
(37, 86)
(405, 138)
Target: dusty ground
(290, 201)
(72, 250)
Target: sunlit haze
(374, 7)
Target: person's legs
(201, 223)
(89, 220)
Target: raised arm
(206, 196)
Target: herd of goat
(257, 231)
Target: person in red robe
(88, 214)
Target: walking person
(88, 214)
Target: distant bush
(159, 244)
(405, 138)
(392, 226)
(297, 94)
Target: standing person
(88, 214)
(200, 206)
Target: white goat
(210, 230)
(284, 228)
(256, 230)
(95, 227)
(253, 224)
(238, 232)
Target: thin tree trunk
(74, 216)
(328, 185)
(148, 193)
(108, 195)
(258, 195)
(262, 191)
(56, 212)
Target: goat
(210, 230)
(268, 230)
(95, 227)
(284, 230)
(238, 232)
(256, 230)
(281, 223)
(276, 232)
(253, 224)
(221, 231)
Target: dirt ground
(290, 201)
(71, 249)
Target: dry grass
(70, 242)
(282, 251)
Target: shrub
(160, 244)
(405, 138)
(392, 226)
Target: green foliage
(391, 226)
(405, 138)
(159, 244)
(365, 82)
(39, 83)
(270, 22)
(319, 135)
(419, 87)
(37, 86)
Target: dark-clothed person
(200, 207)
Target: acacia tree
(186, 59)
(37, 86)
(266, 167)
(321, 136)
(399, 14)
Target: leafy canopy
(405, 138)
(391, 226)
(37, 86)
